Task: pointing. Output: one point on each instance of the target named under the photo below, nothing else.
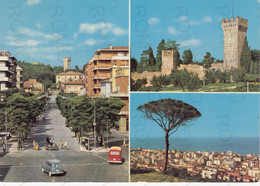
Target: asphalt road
(79, 166)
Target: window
(114, 153)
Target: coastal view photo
(64, 91)
(195, 46)
(178, 137)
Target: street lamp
(94, 123)
(2, 99)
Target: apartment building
(7, 70)
(19, 77)
(99, 67)
(108, 76)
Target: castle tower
(66, 63)
(168, 61)
(234, 37)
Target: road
(79, 166)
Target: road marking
(100, 157)
(21, 164)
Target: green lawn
(218, 87)
(157, 177)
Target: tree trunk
(166, 151)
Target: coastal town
(212, 166)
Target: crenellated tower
(234, 37)
(66, 63)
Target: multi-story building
(33, 86)
(99, 67)
(19, 77)
(71, 82)
(107, 75)
(7, 70)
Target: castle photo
(224, 59)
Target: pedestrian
(47, 140)
(51, 141)
(124, 143)
(65, 145)
(61, 144)
(4, 147)
(33, 144)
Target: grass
(157, 177)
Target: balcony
(6, 59)
(6, 69)
(99, 77)
(119, 94)
(100, 68)
(95, 87)
(6, 79)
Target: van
(52, 167)
(115, 154)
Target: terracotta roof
(70, 73)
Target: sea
(241, 145)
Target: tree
(169, 114)
(133, 64)
(152, 60)
(246, 56)
(172, 45)
(160, 48)
(160, 82)
(178, 59)
(256, 68)
(138, 84)
(187, 57)
(252, 66)
(208, 60)
(255, 55)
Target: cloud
(172, 31)
(32, 33)
(182, 18)
(27, 43)
(33, 2)
(153, 21)
(207, 19)
(189, 43)
(39, 25)
(102, 27)
(91, 42)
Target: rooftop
(70, 73)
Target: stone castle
(234, 37)
(66, 63)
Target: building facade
(71, 82)
(33, 86)
(7, 70)
(99, 67)
(234, 37)
(19, 77)
(107, 75)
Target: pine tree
(246, 57)
(252, 65)
(187, 57)
(160, 47)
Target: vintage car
(51, 146)
(52, 167)
(115, 154)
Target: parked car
(52, 167)
(115, 154)
(51, 146)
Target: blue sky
(195, 24)
(48, 30)
(223, 115)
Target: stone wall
(198, 69)
(148, 75)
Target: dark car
(52, 167)
(51, 146)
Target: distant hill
(43, 73)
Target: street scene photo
(64, 91)
(195, 46)
(194, 137)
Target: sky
(48, 30)
(222, 115)
(195, 24)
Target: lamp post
(2, 99)
(94, 123)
